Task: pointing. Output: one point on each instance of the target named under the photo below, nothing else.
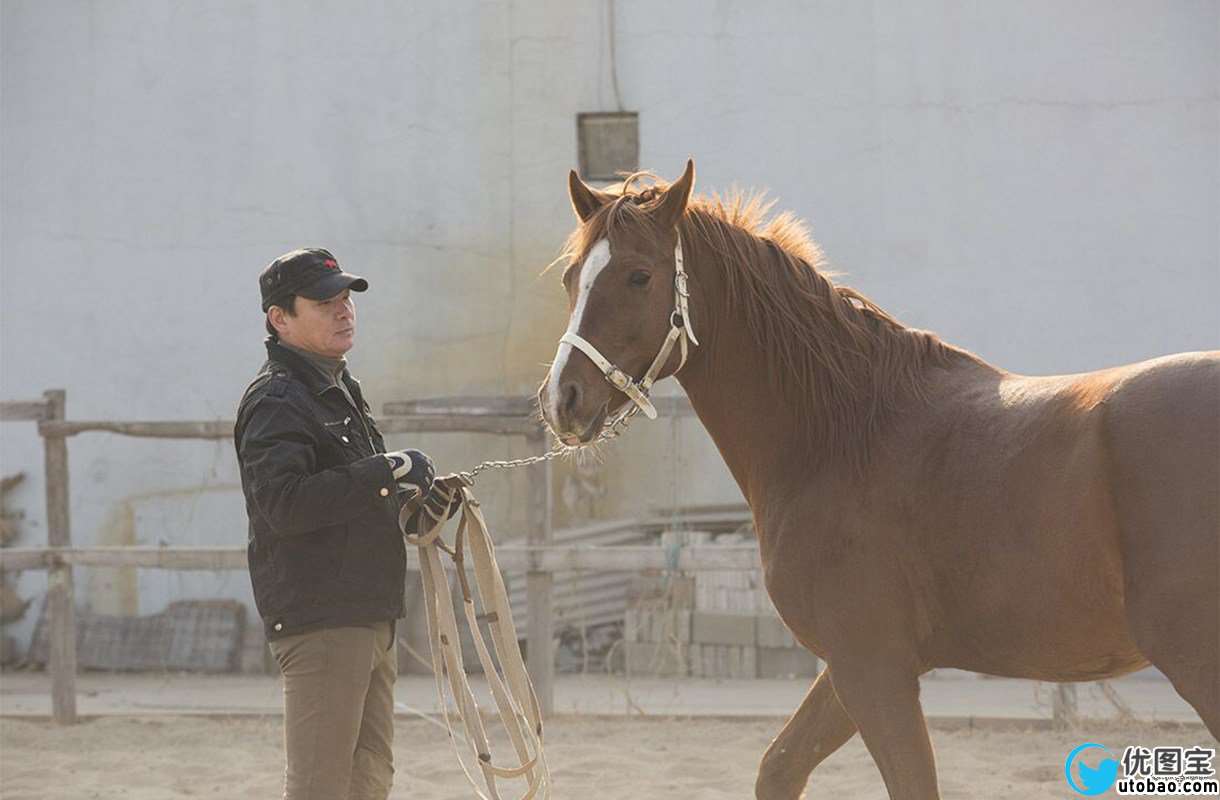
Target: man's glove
(441, 503)
(444, 500)
(413, 472)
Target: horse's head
(626, 300)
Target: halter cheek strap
(679, 332)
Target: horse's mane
(828, 348)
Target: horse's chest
(797, 581)
(834, 589)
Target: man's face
(326, 327)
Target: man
(327, 559)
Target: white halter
(679, 331)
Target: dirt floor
(189, 757)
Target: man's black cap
(312, 272)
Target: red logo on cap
(331, 264)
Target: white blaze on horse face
(596, 261)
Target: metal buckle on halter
(680, 284)
(618, 379)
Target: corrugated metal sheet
(585, 599)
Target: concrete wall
(1037, 182)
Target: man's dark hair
(289, 304)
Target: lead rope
(510, 684)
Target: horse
(915, 506)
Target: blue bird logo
(1090, 780)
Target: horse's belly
(1059, 617)
(1069, 647)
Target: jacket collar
(306, 372)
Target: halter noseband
(679, 332)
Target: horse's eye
(640, 278)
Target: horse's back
(1162, 434)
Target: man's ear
(585, 199)
(275, 317)
(672, 204)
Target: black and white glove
(438, 505)
(441, 503)
(413, 472)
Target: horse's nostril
(571, 396)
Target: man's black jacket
(324, 548)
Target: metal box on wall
(608, 143)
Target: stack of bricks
(723, 645)
(657, 625)
(711, 624)
(778, 655)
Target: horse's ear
(673, 203)
(585, 200)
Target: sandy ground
(164, 736)
(949, 694)
(694, 759)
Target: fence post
(538, 584)
(60, 595)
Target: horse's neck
(741, 416)
(731, 393)
(768, 440)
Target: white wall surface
(1038, 182)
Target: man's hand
(413, 472)
(444, 500)
(441, 503)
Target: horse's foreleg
(818, 728)
(882, 699)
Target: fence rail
(541, 558)
(17, 411)
(223, 429)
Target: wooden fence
(538, 557)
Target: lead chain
(611, 430)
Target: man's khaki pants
(338, 712)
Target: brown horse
(915, 506)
